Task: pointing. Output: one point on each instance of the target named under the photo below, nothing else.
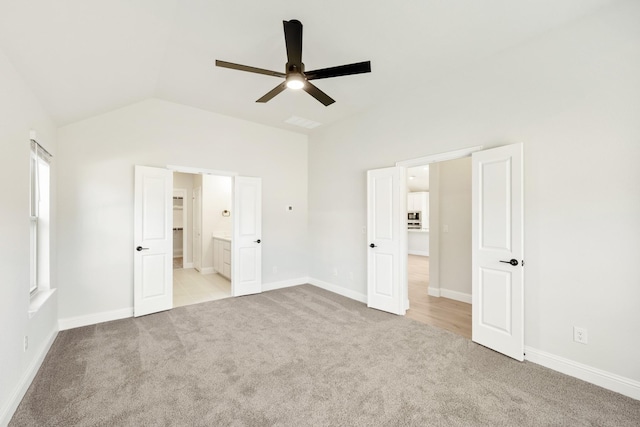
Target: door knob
(513, 261)
(257, 241)
(372, 246)
(140, 248)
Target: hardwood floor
(454, 316)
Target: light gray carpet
(298, 357)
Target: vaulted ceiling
(85, 57)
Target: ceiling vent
(303, 123)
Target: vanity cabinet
(222, 256)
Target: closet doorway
(201, 219)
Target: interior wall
(20, 112)
(216, 197)
(572, 97)
(455, 227)
(98, 155)
(185, 181)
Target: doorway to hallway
(445, 313)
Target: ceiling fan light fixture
(295, 81)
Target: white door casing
(246, 244)
(386, 234)
(497, 224)
(153, 240)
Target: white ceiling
(418, 178)
(84, 57)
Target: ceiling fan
(295, 76)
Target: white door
(246, 258)
(153, 240)
(387, 233)
(197, 228)
(497, 253)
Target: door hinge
(523, 263)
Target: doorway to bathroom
(202, 230)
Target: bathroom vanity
(222, 256)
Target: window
(40, 211)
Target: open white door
(246, 259)
(497, 254)
(386, 269)
(153, 240)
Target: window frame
(39, 232)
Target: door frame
(423, 161)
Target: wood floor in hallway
(454, 316)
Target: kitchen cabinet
(418, 201)
(222, 256)
(418, 242)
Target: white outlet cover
(580, 335)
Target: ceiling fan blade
(247, 68)
(293, 40)
(318, 94)
(273, 92)
(341, 70)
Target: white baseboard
(187, 265)
(601, 378)
(207, 270)
(458, 296)
(421, 253)
(446, 293)
(284, 284)
(92, 319)
(8, 409)
(338, 290)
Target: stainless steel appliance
(413, 220)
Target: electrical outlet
(335, 271)
(580, 335)
(275, 269)
(26, 343)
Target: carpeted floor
(299, 356)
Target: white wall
(455, 215)
(98, 155)
(216, 197)
(573, 98)
(20, 112)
